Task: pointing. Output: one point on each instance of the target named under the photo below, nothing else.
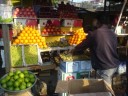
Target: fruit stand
(35, 38)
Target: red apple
(33, 13)
(17, 9)
(27, 9)
(28, 12)
(23, 9)
(31, 10)
(25, 13)
(20, 13)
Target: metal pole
(6, 40)
(105, 5)
(125, 1)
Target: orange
(28, 37)
(28, 31)
(26, 28)
(16, 41)
(21, 41)
(21, 34)
(24, 38)
(19, 37)
(38, 40)
(32, 31)
(40, 44)
(34, 41)
(26, 41)
(32, 37)
(26, 34)
(30, 41)
(30, 34)
(37, 34)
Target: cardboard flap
(83, 86)
(86, 86)
(108, 87)
(62, 87)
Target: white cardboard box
(69, 67)
(85, 66)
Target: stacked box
(76, 66)
(70, 76)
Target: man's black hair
(103, 18)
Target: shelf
(45, 18)
(57, 35)
(36, 67)
(6, 23)
(122, 35)
(24, 18)
(56, 48)
(122, 47)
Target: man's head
(100, 19)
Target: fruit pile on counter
(78, 37)
(17, 81)
(58, 44)
(28, 36)
(71, 57)
(51, 29)
(24, 12)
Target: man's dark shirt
(102, 43)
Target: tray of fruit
(18, 81)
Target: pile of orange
(78, 37)
(28, 36)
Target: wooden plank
(36, 67)
(5, 30)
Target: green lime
(17, 89)
(20, 80)
(16, 77)
(21, 75)
(3, 81)
(32, 80)
(29, 84)
(26, 75)
(18, 72)
(7, 78)
(22, 87)
(10, 88)
(10, 83)
(25, 72)
(26, 80)
(31, 76)
(4, 86)
(24, 83)
(10, 74)
(16, 83)
(12, 80)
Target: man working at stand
(102, 43)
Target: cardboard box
(94, 94)
(66, 76)
(85, 66)
(71, 76)
(78, 23)
(76, 66)
(85, 87)
(69, 67)
(43, 22)
(68, 23)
